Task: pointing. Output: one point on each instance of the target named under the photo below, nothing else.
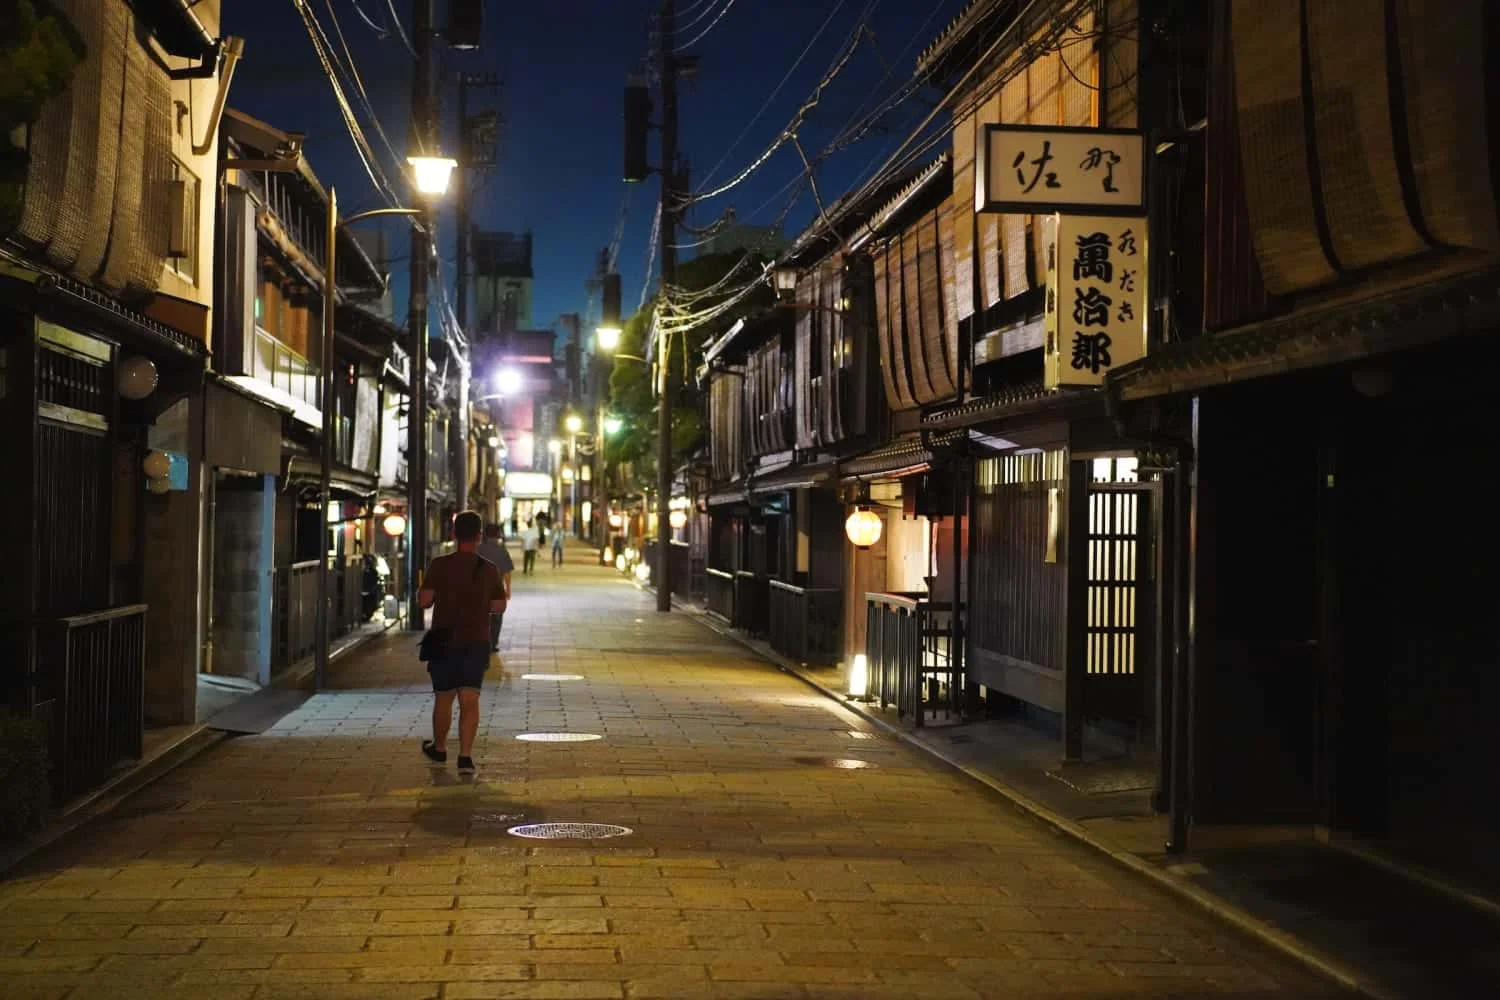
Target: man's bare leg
(468, 720)
(442, 719)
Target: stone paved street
(325, 858)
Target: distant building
(502, 281)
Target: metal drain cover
(551, 677)
(569, 831)
(558, 737)
(842, 763)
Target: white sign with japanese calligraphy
(1095, 311)
(1030, 168)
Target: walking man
(493, 550)
(465, 591)
(557, 548)
(530, 541)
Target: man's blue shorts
(460, 669)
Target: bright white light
(508, 381)
(554, 446)
(574, 423)
(642, 572)
(494, 441)
(620, 562)
(612, 425)
(859, 676)
(431, 173)
(608, 337)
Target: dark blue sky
(564, 63)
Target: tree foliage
(39, 50)
(632, 395)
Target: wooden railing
(804, 623)
(750, 602)
(908, 643)
(294, 607)
(294, 612)
(718, 592)
(93, 685)
(680, 557)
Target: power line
(772, 96)
(702, 34)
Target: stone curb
(1241, 920)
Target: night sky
(563, 63)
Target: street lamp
(573, 423)
(430, 177)
(431, 174)
(508, 381)
(612, 425)
(608, 337)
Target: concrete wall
(243, 541)
(173, 574)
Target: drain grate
(842, 763)
(569, 831)
(551, 677)
(558, 737)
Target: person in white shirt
(530, 541)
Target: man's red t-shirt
(462, 596)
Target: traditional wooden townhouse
(262, 436)
(1011, 568)
(1322, 391)
(106, 294)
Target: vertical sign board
(1095, 312)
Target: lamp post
(431, 179)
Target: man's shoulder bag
(438, 642)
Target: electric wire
(776, 90)
(683, 28)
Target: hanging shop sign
(528, 485)
(1034, 169)
(1095, 313)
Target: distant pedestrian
(493, 549)
(530, 542)
(557, 548)
(464, 590)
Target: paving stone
(324, 859)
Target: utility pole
(476, 151)
(424, 142)
(667, 68)
(458, 429)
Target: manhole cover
(551, 677)
(856, 734)
(842, 763)
(558, 737)
(569, 831)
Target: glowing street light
(612, 425)
(431, 173)
(608, 337)
(573, 423)
(508, 381)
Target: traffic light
(465, 23)
(637, 124)
(611, 317)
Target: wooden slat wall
(884, 334)
(806, 419)
(726, 409)
(913, 333)
(937, 353)
(830, 331)
(1019, 599)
